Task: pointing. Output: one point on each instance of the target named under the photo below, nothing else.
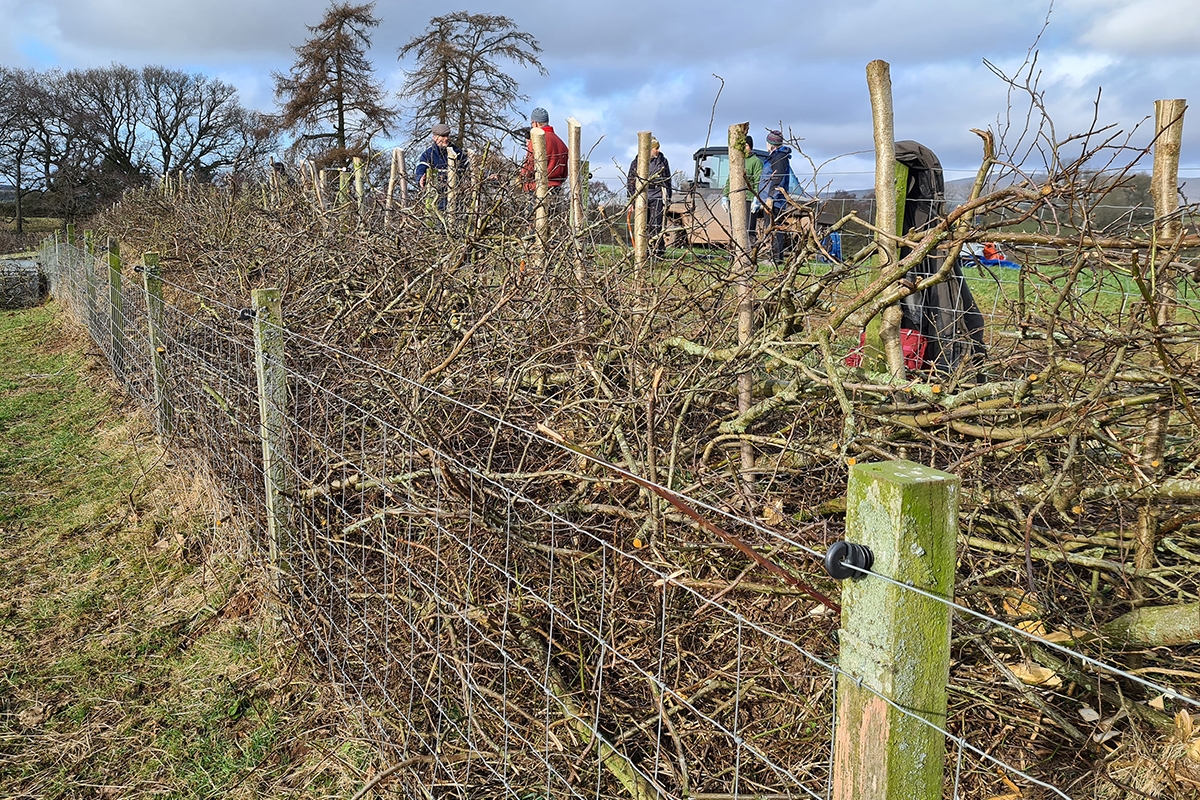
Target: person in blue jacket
(435, 164)
(773, 186)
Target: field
(42, 225)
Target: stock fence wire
(483, 596)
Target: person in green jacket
(754, 168)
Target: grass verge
(138, 653)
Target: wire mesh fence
(512, 613)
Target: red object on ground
(911, 342)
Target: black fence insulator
(245, 315)
(842, 557)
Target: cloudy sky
(622, 66)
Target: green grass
(32, 224)
(116, 669)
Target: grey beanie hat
(441, 129)
(775, 138)
(540, 115)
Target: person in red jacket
(556, 154)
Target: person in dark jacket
(435, 164)
(658, 195)
(773, 187)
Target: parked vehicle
(697, 215)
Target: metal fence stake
(895, 643)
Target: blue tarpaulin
(833, 245)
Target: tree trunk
(18, 195)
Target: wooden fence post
(89, 276)
(116, 313)
(743, 271)
(360, 185)
(895, 643)
(272, 405)
(391, 192)
(1164, 188)
(163, 405)
(541, 172)
(452, 188)
(641, 207)
(574, 179)
(322, 187)
(72, 257)
(403, 176)
(883, 331)
(343, 195)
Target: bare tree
(330, 96)
(195, 120)
(20, 102)
(112, 99)
(256, 136)
(458, 77)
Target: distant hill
(957, 191)
(8, 194)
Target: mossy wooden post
(272, 403)
(641, 207)
(163, 405)
(895, 643)
(116, 313)
(541, 174)
(89, 275)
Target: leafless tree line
(76, 139)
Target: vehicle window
(714, 172)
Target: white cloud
(1141, 27)
(620, 66)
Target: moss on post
(895, 643)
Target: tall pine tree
(458, 77)
(330, 97)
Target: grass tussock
(140, 655)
